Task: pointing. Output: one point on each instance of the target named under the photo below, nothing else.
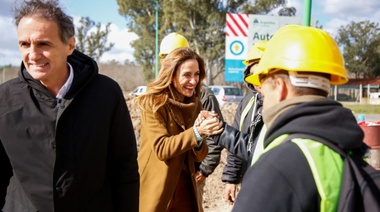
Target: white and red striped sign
(242, 31)
(237, 25)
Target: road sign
(242, 31)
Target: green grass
(363, 108)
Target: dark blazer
(74, 154)
(236, 142)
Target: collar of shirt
(65, 88)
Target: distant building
(360, 90)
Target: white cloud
(335, 13)
(331, 13)
(122, 49)
(342, 13)
(291, 3)
(356, 8)
(9, 54)
(296, 4)
(9, 50)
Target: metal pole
(156, 38)
(307, 13)
(368, 91)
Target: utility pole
(156, 38)
(307, 13)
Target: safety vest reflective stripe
(326, 166)
(259, 145)
(245, 112)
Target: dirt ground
(213, 200)
(213, 196)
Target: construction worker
(248, 120)
(170, 42)
(210, 103)
(295, 73)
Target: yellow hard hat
(171, 42)
(255, 52)
(302, 48)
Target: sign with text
(242, 31)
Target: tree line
(360, 42)
(203, 24)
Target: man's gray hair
(47, 9)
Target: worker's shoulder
(206, 91)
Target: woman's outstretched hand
(208, 123)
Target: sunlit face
(187, 77)
(269, 92)
(43, 52)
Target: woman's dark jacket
(77, 154)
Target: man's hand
(199, 177)
(230, 193)
(208, 124)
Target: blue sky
(103, 11)
(331, 13)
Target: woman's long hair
(158, 91)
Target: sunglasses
(263, 77)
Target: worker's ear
(282, 89)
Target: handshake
(208, 123)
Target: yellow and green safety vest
(326, 166)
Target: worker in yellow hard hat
(254, 54)
(299, 173)
(245, 130)
(170, 42)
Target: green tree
(201, 22)
(91, 39)
(360, 43)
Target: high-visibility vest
(259, 148)
(246, 111)
(326, 166)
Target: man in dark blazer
(66, 137)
